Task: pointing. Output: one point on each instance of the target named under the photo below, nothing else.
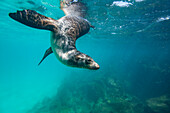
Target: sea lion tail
(33, 19)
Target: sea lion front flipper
(73, 7)
(47, 52)
(33, 19)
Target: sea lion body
(65, 32)
(70, 28)
(73, 26)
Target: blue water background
(132, 43)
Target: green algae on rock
(159, 104)
(93, 94)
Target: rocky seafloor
(98, 94)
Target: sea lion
(65, 32)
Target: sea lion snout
(91, 64)
(94, 66)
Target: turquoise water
(130, 43)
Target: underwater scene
(128, 39)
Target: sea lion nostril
(97, 66)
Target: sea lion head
(84, 61)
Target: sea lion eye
(77, 58)
(88, 61)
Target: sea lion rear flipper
(47, 52)
(33, 19)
